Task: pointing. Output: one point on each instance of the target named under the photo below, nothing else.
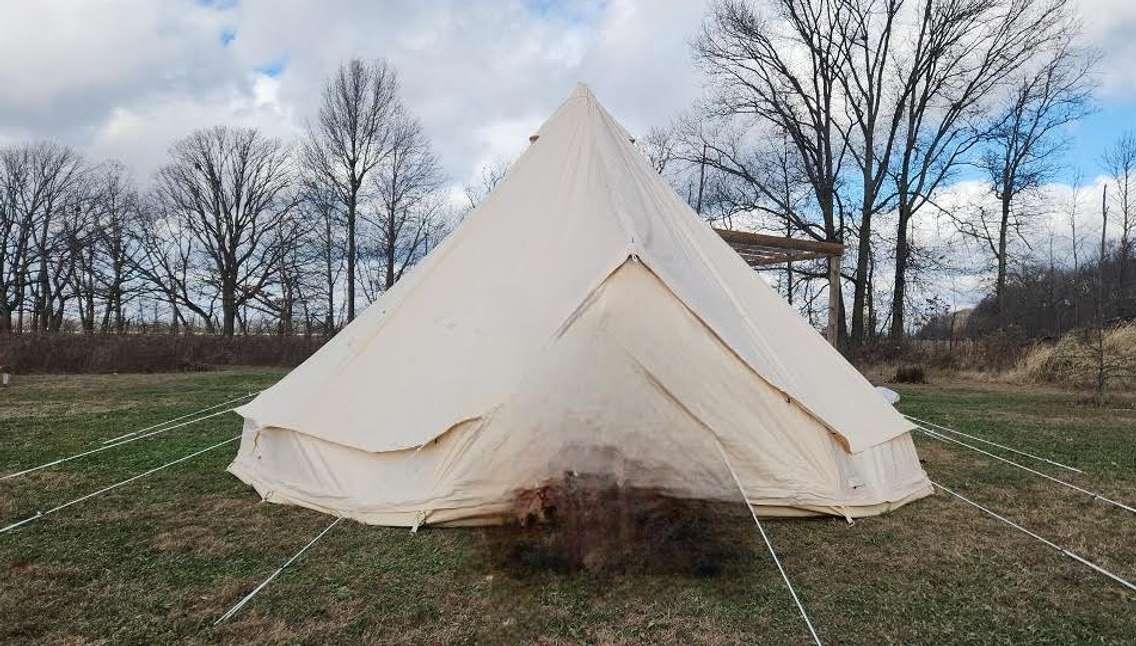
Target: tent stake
(1095, 495)
(178, 418)
(769, 545)
(111, 446)
(1001, 446)
(1062, 550)
(240, 604)
(41, 514)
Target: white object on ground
(889, 395)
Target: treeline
(237, 231)
(837, 120)
(1047, 301)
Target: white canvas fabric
(583, 319)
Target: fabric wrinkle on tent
(627, 339)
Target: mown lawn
(158, 560)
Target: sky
(123, 79)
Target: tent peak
(582, 91)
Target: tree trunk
(828, 213)
(862, 285)
(228, 307)
(1000, 281)
(351, 257)
(1100, 358)
(329, 319)
(863, 282)
(901, 255)
(833, 332)
(390, 250)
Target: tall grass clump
(1076, 359)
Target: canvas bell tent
(582, 320)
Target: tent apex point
(581, 90)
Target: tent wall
(635, 389)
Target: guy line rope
(940, 427)
(41, 514)
(128, 440)
(1062, 550)
(769, 545)
(179, 418)
(1095, 495)
(240, 604)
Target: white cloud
(124, 78)
(1057, 214)
(1109, 25)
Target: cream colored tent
(582, 319)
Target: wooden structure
(760, 250)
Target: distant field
(156, 561)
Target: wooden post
(833, 300)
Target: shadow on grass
(592, 524)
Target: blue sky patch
(274, 67)
(1092, 135)
(570, 12)
(228, 35)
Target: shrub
(910, 375)
(104, 353)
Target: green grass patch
(156, 561)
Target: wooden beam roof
(759, 249)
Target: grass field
(157, 560)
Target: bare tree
(17, 226)
(96, 239)
(224, 198)
(489, 177)
(119, 210)
(40, 185)
(1026, 138)
(407, 200)
(784, 71)
(660, 146)
(961, 54)
(349, 139)
(78, 245)
(169, 262)
(867, 33)
(1120, 162)
(321, 207)
(283, 296)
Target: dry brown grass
(1072, 360)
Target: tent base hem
(500, 513)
